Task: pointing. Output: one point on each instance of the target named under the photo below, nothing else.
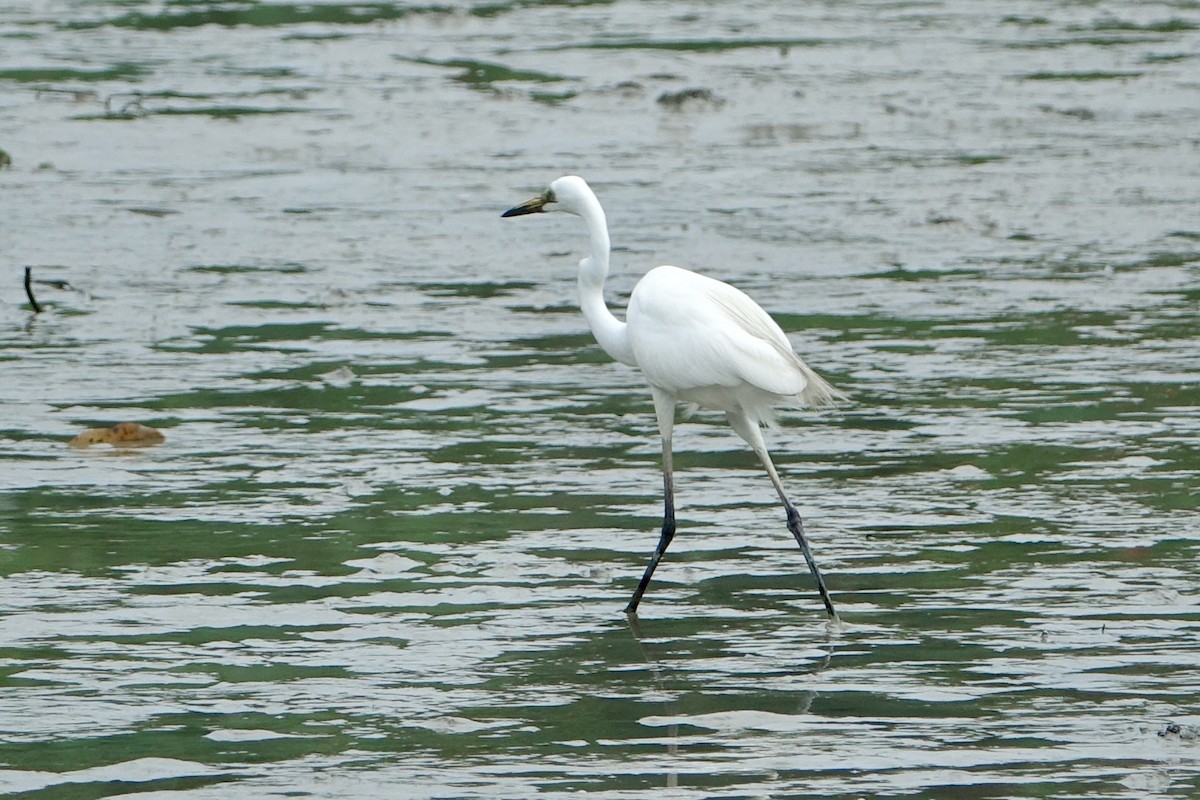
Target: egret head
(569, 193)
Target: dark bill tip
(533, 206)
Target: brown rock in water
(125, 434)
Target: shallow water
(404, 497)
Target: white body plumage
(708, 343)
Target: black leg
(668, 526)
(796, 526)
(664, 540)
(749, 430)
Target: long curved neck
(610, 332)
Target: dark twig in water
(29, 290)
(132, 108)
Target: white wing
(691, 334)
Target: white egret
(696, 340)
